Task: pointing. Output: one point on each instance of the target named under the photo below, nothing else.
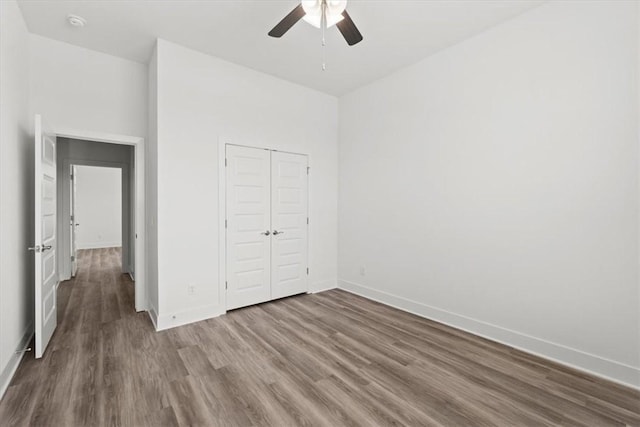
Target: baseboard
(577, 359)
(9, 371)
(100, 245)
(168, 321)
(322, 286)
(153, 315)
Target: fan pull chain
(323, 24)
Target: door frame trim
(139, 224)
(222, 213)
(67, 163)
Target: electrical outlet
(191, 289)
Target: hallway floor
(325, 359)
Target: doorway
(91, 175)
(99, 212)
(52, 191)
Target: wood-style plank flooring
(328, 359)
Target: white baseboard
(99, 245)
(577, 359)
(12, 366)
(322, 286)
(153, 315)
(180, 318)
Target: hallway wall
(98, 207)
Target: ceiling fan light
(316, 20)
(313, 11)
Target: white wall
(16, 184)
(494, 186)
(98, 207)
(200, 101)
(78, 88)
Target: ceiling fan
(321, 14)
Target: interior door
(73, 222)
(46, 276)
(248, 226)
(289, 220)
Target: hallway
(80, 378)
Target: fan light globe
(313, 10)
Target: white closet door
(289, 212)
(248, 226)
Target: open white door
(73, 222)
(46, 275)
(289, 219)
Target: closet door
(248, 226)
(289, 213)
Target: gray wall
(72, 151)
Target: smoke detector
(76, 21)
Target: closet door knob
(266, 233)
(276, 232)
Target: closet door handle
(266, 233)
(276, 232)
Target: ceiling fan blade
(349, 30)
(283, 26)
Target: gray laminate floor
(326, 359)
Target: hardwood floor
(327, 359)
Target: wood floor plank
(327, 359)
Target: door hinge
(226, 285)
(225, 163)
(307, 271)
(225, 223)
(73, 258)
(308, 169)
(307, 220)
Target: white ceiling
(396, 33)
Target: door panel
(73, 223)
(289, 213)
(248, 201)
(46, 275)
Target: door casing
(139, 225)
(127, 225)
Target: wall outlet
(191, 289)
